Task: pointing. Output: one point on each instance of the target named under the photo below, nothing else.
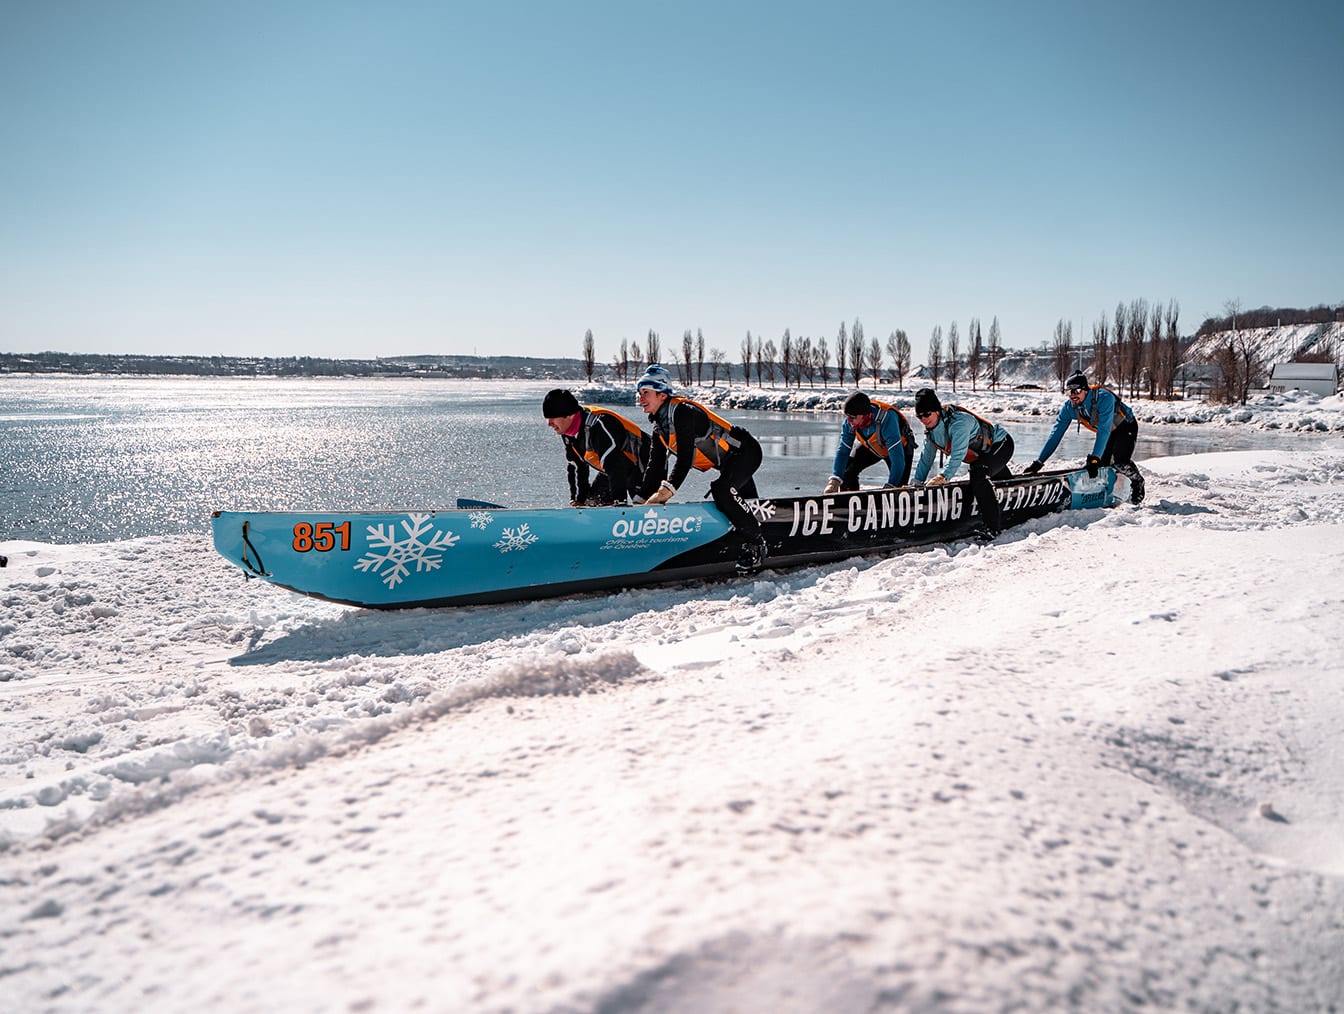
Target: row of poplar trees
(792, 360)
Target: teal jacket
(957, 433)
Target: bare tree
(637, 358)
(807, 358)
(654, 347)
(841, 354)
(589, 354)
(1155, 359)
(1238, 362)
(748, 348)
(717, 361)
(1101, 350)
(875, 360)
(621, 361)
(898, 347)
(858, 352)
(1061, 351)
(953, 354)
(977, 352)
(771, 357)
(760, 363)
(687, 356)
(786, 355)
(1172, 343)
(699, 355)
(1136, 343)
(1120, 343)
(936, 353)
(824, 362)
(995, 353)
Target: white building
(1318, 378)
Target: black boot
(751, 557)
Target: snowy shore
(1092, 766)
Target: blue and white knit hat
(656, 378)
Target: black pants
(993, 464)
(1120, 448)
(863, 458)
(736, 482)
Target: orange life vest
(633, 436)
(875, 443)
(718, 439)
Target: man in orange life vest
(883, 435)
(703, 440)
(1105, 415)
(963, 436)
(600, 439)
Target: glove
(1093, 463)
(1033, 468)
(832, 486)
(662, 494)
(937, 480)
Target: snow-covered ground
(1096, 766)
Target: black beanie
(1078, 380)
(858, 403)
(926, 401)
(559, 403)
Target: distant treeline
(469, 367)
(1267, 316)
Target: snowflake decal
(481, 519)
(763, 509)
(516, 538)
(391, 556)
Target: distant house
(1317, 378)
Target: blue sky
(358, 179)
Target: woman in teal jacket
(964, 438)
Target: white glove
(937, 480)
(662, 494)
(832, 486)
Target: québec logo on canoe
(654, 523)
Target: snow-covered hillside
(1276, 344)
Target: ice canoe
(484, 554)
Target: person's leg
(1120, 450)
(736, 484)
(859, 460)
(993, 462)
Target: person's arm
(843, 452)
(657, 470)
(578, 474)
(683, 423)
(1105, 419)
(1057, 432)
(621, 474)
(964, 426)
(891, 436)
(925, 460)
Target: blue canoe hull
(403, 559)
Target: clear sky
(345, 179)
